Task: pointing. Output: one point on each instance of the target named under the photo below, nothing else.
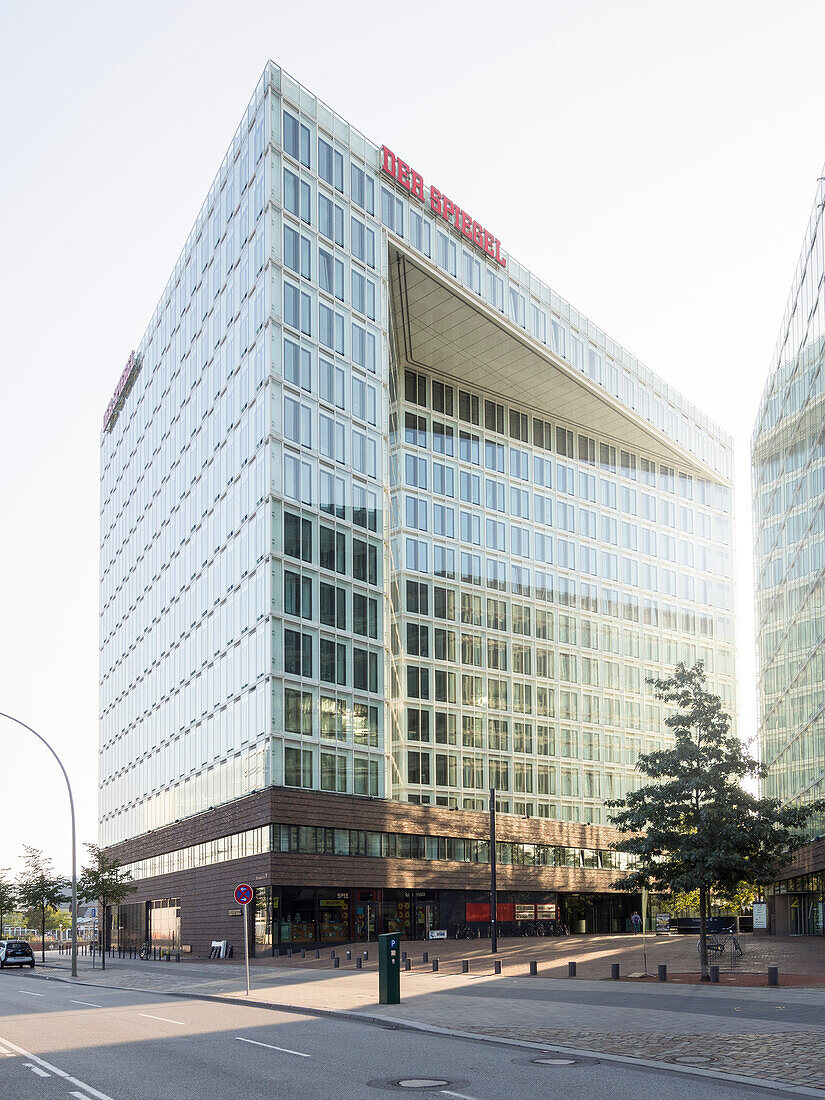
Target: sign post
(243, 896)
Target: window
(297, 767)
(298, 712)
(297, 653)
(297, 537)
(296, 139)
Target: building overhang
(440, 327)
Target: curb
(453, 1033)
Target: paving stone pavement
(754, 1032)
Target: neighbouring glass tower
(788, 456)
(383, 516)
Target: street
(59, 1040)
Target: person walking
(636, 921)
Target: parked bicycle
(718, 943)
(145, 951)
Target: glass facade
(788, 458)
(329, 563)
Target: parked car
(15, 953)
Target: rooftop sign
(127, 378)
(399, 171)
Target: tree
(39, 888)
(8, 897)
(694, 827)
(107, 881)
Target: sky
(654, 163)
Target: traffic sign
(243, 894)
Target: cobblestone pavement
(783, 1056)
(761, 1033)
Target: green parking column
(389, 969)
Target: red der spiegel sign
(412, 181)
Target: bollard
(614, 971)
(571, 970)
(359, 964)
(497, 966)
(403, 956)
(336, 962)
(177, 957)
(407, 964)
(435, 964)
(465, 966)
(662, 972)
(289, 952)
(425, 958)
(317, 952)
(534, 967)
(714, 975)
(332, 953)
(303, 952)
(773, 975)
(349, 955)
(365, 955)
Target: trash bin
(579, 926)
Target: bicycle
(145, 952)
(717, 946)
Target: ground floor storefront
(796, 900)
(362, 867)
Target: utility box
(389, 969)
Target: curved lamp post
(11, 718)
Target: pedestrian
(636, 921)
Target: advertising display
(760, 916)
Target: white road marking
(89, 1091)
(80, 1095)
(180, 1023)
(446, 1092)
(36, 1069)
(91, 1004)
(28, 994)
(269, 1046)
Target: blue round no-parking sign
(243, 894)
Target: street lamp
(74, 839)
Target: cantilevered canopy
(440, 327)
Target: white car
(15, 953)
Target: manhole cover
(421, 1083)
(694, 1058)
(554, 1061)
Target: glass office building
(788, 457)
(385, 518)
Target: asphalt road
(59, 1040)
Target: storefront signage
(547, 910)
(525, 912)
(412, 181)
(438, 933)
(125, 382)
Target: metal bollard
(349, 955)
(497, 966)
(614, 971)
(359, 964)
(571, 970)
(303, 952)
(403, 956)
(773, 975)
(425, 958)
(365, 955)
(534, 967)
(336, 962)
(714, 975)
(317, 952)
(407, 964)
(435, 964)
(465, 966)
(662, 972)
(332, 953)
(177, 957)
(289, 952)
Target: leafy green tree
(8, 897)
(694, 827)
(39, 888)
(106, 880)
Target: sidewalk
(759, 1033)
